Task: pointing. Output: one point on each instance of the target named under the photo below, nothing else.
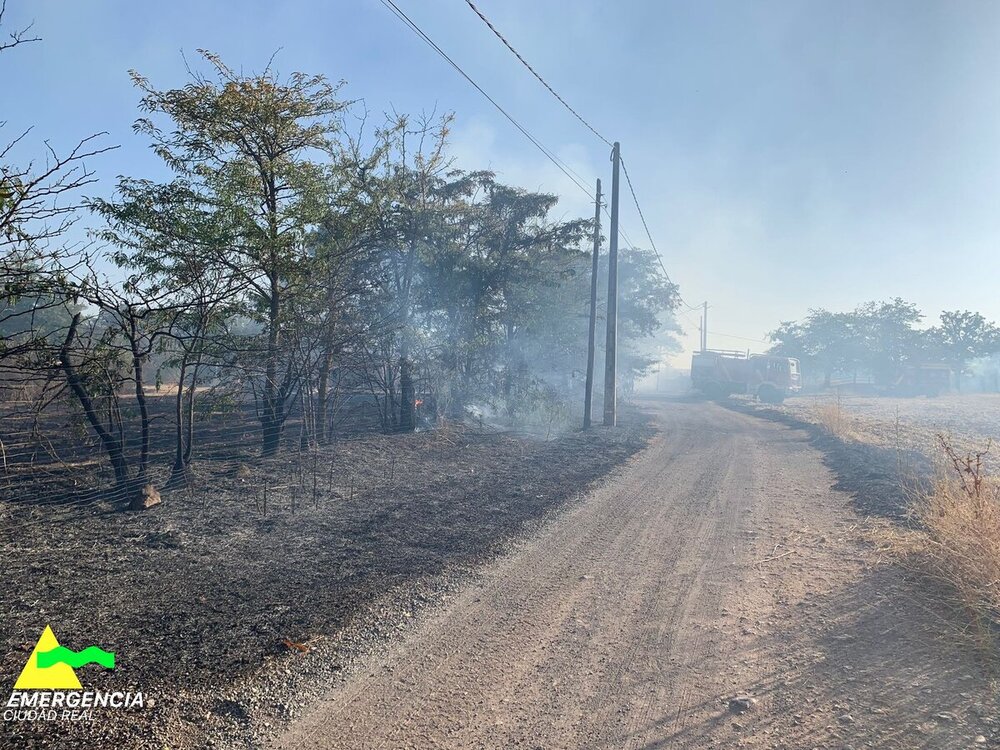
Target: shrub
(958, 537)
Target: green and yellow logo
(50, 666)
(48, 689)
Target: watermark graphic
(50, 666)
(48, 688)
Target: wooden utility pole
(704, 328)
(611, 348)
(588, 398)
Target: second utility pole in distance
(611, 349)
(704, 328)
(588, 398)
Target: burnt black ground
(198, 593)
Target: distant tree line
(297, 253)
(882, 338)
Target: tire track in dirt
(433, 659)
(625, 619)
(666, 630)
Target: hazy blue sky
(788, 154)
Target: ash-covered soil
(198, 596)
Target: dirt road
(720, 561)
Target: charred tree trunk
(184, 417)
(465, 394)
(177, 473)
(140, 395)
(189, 424)
(322, 390)
(113, 446)
(407, 395)
(272, 411)
(271, 426)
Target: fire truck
(718, 373)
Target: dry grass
(834, 419)
(954, 542)
(957, 543)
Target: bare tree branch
(16, 37)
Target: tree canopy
(880, 339)
(301, 266)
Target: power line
(621, 229)
(734, 336)
(574, 176)
(563, 167)
(579, 117)
(534, 72)
(649, 235)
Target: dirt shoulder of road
(891, 640)
(223, 612)
(877, 472)
(884, 449)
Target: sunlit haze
(787, 155)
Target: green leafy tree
(257, 148)
(167, 239)
(888, 336)
(647, 300)
(408, 186)
(493, 283)
(962, 337)
(825, 342)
